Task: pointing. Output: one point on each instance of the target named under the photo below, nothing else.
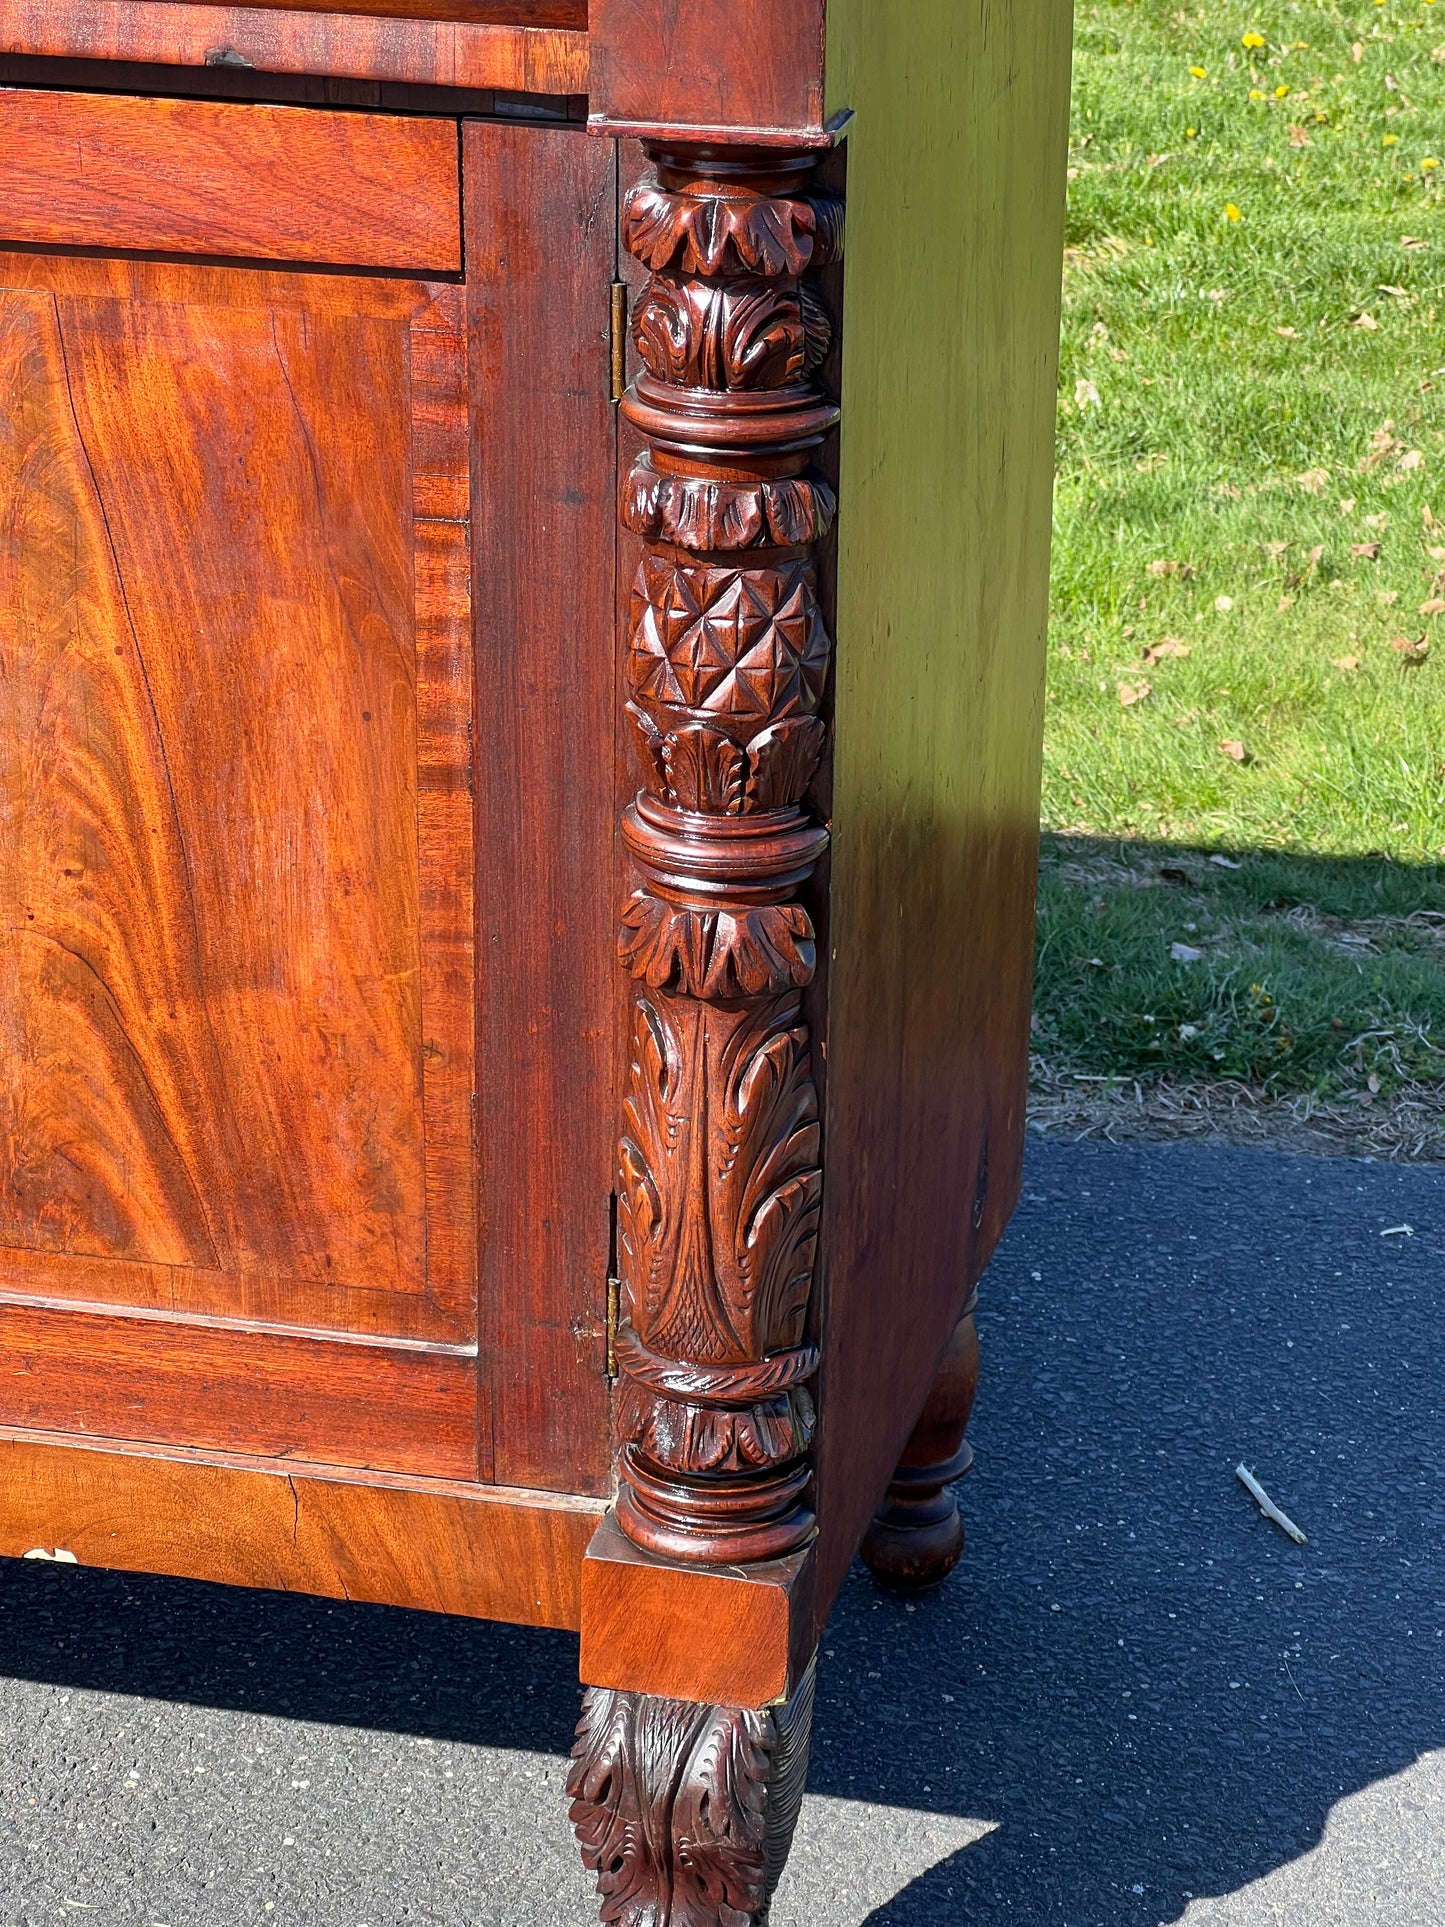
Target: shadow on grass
(1149, 1691)
(1291, 972)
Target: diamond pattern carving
(743, 643)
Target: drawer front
(221, 179)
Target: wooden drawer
(241, 181)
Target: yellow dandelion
(1252, 40)
(1427, 164)
(1231, 212)
(1280, 92)
(1389, 140)
(1198, 72)
(1255, 94)
(1190, 132)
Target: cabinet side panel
(955, 215)
(541, 227)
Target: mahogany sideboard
(521, 671)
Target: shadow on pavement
(1152, 1693)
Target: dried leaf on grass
(1168, 646)
(1349, 664)
(1411, 653)
(1131, 693)
(1235, 751)
(1385, 446)
(1314, 481)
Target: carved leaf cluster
(669, 1804)
(723, 232)
(744, 334)
(720, 1180)
(685, 1813)
(719, 954)
(711, 516)
(694, 1439)
(698, 766)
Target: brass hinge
(614, 1314)
(619, 340)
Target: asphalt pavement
(1136, 1702)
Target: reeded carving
(728, 656)
(685, 1813)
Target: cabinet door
(237, 1017)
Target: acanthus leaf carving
(704, 770)
(781, 762)
(728, 658)
(817, 329)
(723, 231)
(685, 1812)
(721, 1184)
(724, 954)
(698, 1439)
(745, 334)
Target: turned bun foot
(916, 1538)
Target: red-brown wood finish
(641, 1617)
(747, 71)
(727, 660)
(316, 1249)
(236, 853)
(434, 1545)
(916, 1537)
(217, 177)
(541, 243)
(506, 52)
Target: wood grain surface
(281, 1394)
(227, 178)
(955, 208)
(541, 244)
(726, 1635)
(513, 13)
(755, 66)
(475, 51)
(237, 1030)
(427, 1544)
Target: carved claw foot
(686, 1813)
(916, 1538)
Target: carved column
(686, 1811)
(727, 658)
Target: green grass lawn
(1248, 635)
